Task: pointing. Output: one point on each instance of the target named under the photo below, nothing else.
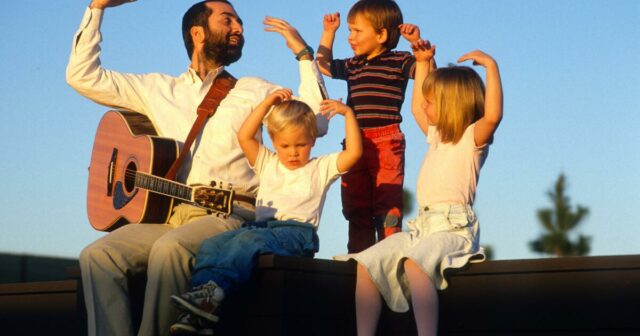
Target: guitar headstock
(217, 200)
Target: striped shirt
(376, 86)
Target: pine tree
(558, 222)
(407, 201)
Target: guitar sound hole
(130, 177)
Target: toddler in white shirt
(292, 191)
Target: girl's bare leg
(424, 299)
(368, 303)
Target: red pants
(372, 189)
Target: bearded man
(213, 37)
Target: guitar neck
(163, 186)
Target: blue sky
(571, 76)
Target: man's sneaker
(187, 324)
(202, 301)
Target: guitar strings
(174, 189)
(167, 186)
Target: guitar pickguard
(120, 199)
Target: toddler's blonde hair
(292, 113)
(458, 95)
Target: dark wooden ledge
(296, 296)
(564, 296)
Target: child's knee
(251, 237)
(390, 220)
(387, 225)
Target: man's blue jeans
(230, 257)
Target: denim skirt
(442, 238)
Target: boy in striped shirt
(377, 78)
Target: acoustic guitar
(125, 184)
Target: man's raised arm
(311, 89)
(85, 73)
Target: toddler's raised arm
(247, 132)
(353, 140)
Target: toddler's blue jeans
(230, 257)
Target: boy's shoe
(202, 301)
(186, 324)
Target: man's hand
(102, 4)
(295, 42)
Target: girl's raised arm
(423, 51)
(487, 125)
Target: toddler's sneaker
(186, 324)
(202, 301)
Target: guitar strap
(219, 89)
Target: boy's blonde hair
(292, 113)
(382, 14)
(458, 96)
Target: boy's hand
(423, 50)
(331, 107)
(331, 22)
(294, 40)
(278, 96)
(478, 57)
(410, 32)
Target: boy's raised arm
(410, 32)
(353, 140)
(487, 125)
(324, 56)
(247, 132)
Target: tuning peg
(213, 183)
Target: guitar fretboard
(163, 186)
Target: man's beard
(217, 48)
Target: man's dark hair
(382, 14)
(197, 15)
